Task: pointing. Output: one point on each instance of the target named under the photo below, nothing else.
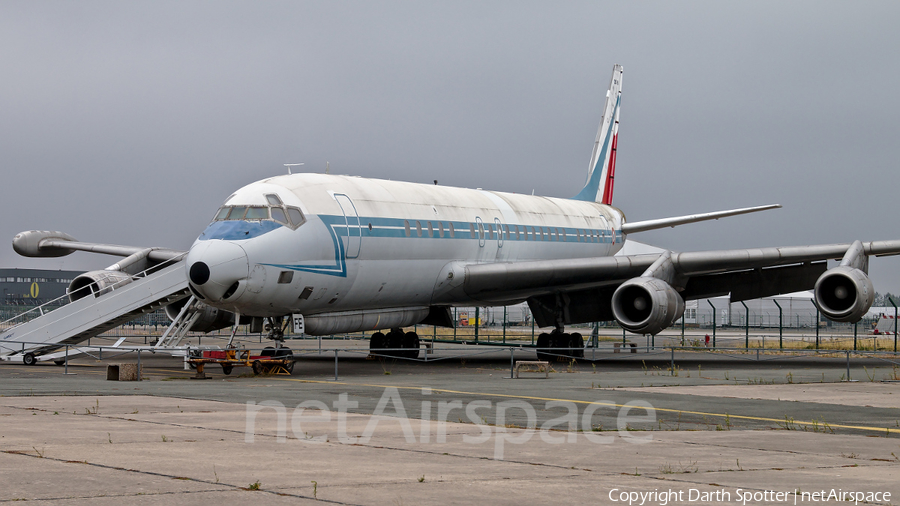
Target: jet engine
(646, 305)
(844, 294)
(210, 318)
(96, 283)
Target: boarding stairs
(52, 326)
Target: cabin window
(490, 231)
(273, 200)
(430, 230)
(257, 213)
(481, 231)
(472, 230)
(452, 232)
(518, 236)
(279, 216)
(418, 228)
(506, 227)
(406, 226)
(304, 295)
(564, 237)
(441, 228)
(285, 277)
(296, 216)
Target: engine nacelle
(844, 294)
(96, 283)
(646, 305)
(210, 318)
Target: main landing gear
(396, 343)
(560, 346)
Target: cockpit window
(289, 216)
(279, 216)
(296, 216)
(257, 213)
(273, 200)
(237, 212)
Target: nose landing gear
(275, 327)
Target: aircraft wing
(41, 243)
(585, 287)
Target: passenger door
(352, 238)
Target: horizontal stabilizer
(643, 226)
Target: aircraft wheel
(394, 341)
(543, 342)
(576, 342)
(226, 369)
(288, 358)
(268, 351)
(29, 359)
(411, 341)
(558, 342)
(59, 362)
(376, 342)
(257, 367)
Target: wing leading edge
(581, 290)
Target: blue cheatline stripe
(590, 190)
(339, 268)
(396, 228)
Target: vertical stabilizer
(602, 170)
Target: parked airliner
(344, 254)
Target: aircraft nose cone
(216, 269)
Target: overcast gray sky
(130, 122)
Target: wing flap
(756, 283)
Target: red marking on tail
(610, 174)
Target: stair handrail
(65, 300)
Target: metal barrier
(563, 355)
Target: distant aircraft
(345, 254)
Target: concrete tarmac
(710, 432)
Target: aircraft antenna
(327, 167)
(289, 165)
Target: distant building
(33, 287)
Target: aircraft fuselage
(370, 243)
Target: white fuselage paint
(380, 263)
